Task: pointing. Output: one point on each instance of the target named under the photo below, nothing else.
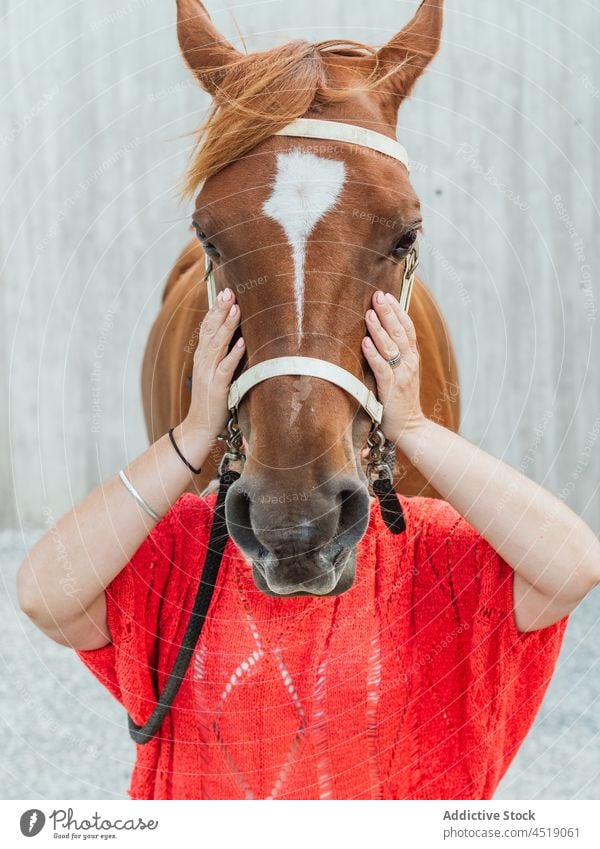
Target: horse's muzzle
(300, 547)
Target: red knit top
(414, 684)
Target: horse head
(304, 231)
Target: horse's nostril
(354, 514)
(237, 515)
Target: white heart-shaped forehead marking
(306, 188)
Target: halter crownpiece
(310, 128)
(310, 366)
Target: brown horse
(304, 232)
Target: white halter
(309, 128)
(310, 366)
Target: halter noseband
(310, 366)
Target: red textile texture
(414, 684)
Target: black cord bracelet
(175, 446)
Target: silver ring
(396, 361)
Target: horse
(303, 230)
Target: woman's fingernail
(372, 315)
(240, 343)
(233, 310)
(390, 298)
(368, 343)
(227, 295)
(380, 298)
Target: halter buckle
(382, 457)
(234, 441)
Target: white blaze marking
(306, 188)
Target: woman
(420, 682)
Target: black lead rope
(383, 487)
(216, 546)
(391, 511)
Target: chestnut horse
(303, 231)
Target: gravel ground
(64, 737)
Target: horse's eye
(404, 244)
(206, 244)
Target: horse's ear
(204, 49)
(405, 57)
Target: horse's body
(304, 232)
(170, 351)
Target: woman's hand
(214, 367)
(391, 331)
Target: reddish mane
(263, 92)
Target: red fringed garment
(414, 684)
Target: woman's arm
(555, 554)
(99, 536)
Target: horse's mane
(260, 93)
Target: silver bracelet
(130, 488)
